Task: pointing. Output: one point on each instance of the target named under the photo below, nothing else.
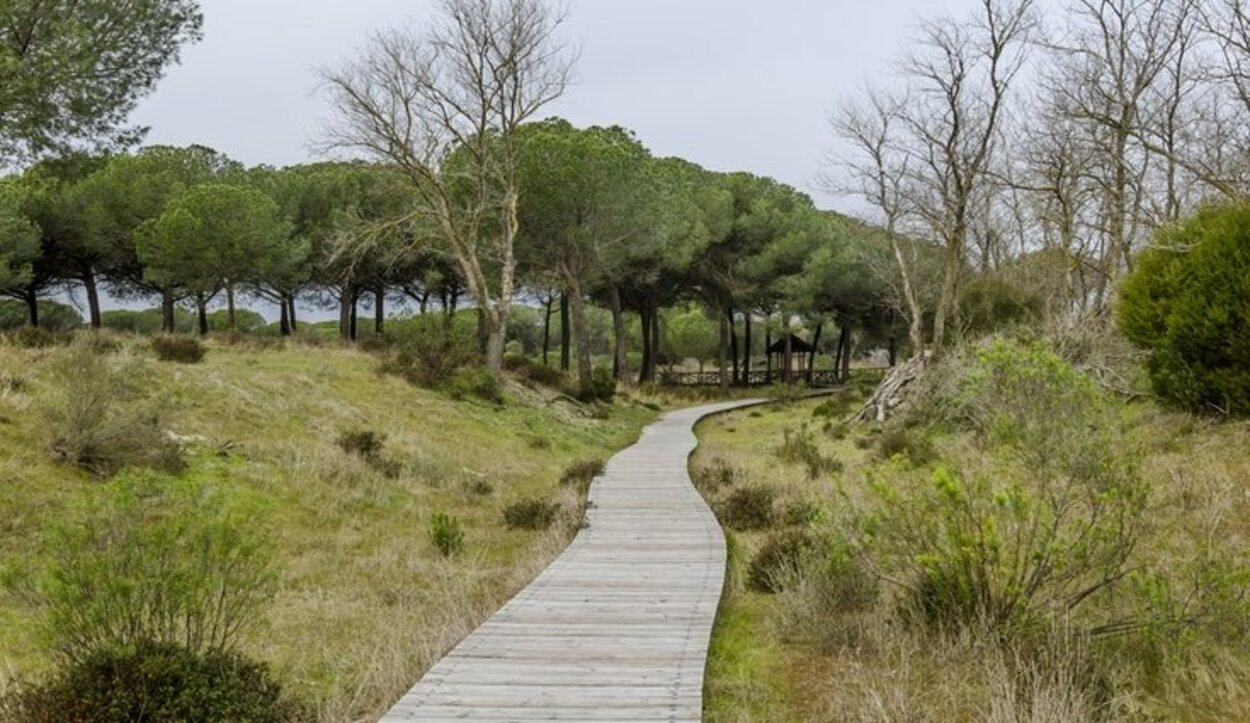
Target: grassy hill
(364, 603)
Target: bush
(428, 350)
(714, 474)
(779, 560)
(150, 560)
(602, 386)
(528, 370)
(475, 383)
(1044, 529)
(98, 419)
(987, 305)
(53, 316)
(530, 514)
(799, 446)
(445, 534)
(582, 473)
(749, 508)
(32, 337)
(1188, 303)
(180, 349)
(364, 442)
(900, 442)
(801, 513)
(156, 682)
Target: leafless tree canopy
(442, 104)
(1050, 152)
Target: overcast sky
(729, 84)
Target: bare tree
(961, 78)
(442, 104)
(876, 171)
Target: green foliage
(180, 349)
(146, 321)
(19, 234)
(97, 417)
(530, 514)
(987, 305)
(78, 69)
(1188, 303)
(780, 560)
(799, 446)
(475, 383)
(429, 350)
(909, 444)
(528, 370)
(582, 473)
(446, 535)
(749, 508)
(31, 337)
(53, 316)
(364, 442)
(602, 386)
(801, 513)
(151, 559)
(157, 682)
(1046, 526)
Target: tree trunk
(723, 344)
(768, 343)
(947, 299)
(230, 318)
(788, 373)
(496, 342)
(655, 340)
(734, 347)
(423, 303)
(284, 318)
(547, 328)
(844, 349)
(746, 342)
(201, 310)
(351, 327)
(93, 297)
(581, 330)
(644, 320)
(167, 312)
(345, 314)
(379, 310)
(32, 306)
(811, 357)
(564, 331)
(290, 300)
(620, 360)
(893, 347)
(483, 333)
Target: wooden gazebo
(788, 358)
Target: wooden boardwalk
(615, 629)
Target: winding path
(617, 628)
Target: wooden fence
(764, 378)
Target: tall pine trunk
(746, 342)
(290, 302)
(581, 330)
(284, 318)
(32, 305)
(620, 359)
(167, 311)
(93, 296)
(550, 301)
(379, 310)
(230, 318)
(564, 332)
(201, 311)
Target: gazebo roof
(797, 346)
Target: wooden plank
(617, 628)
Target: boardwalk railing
(813, 378)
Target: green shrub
(97, 418)
(364, 442)
(150, 559)
(714, 474)
(987, 305)
(445, 534)
(780, 560)
(1187, 302)
(1045, 530)
(749, 508)
(180, 349)
(53, 316)
(582, 473)
(602, 386)
(801, 513)
(32, 337)
(799, 446)
(11, 383)
(428, 350)
(475, 383)
(156, 682)
(900, 442)
(530, 514)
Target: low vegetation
(1026, 543)
(304, 497)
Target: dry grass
(365, 603)
(818, 663)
